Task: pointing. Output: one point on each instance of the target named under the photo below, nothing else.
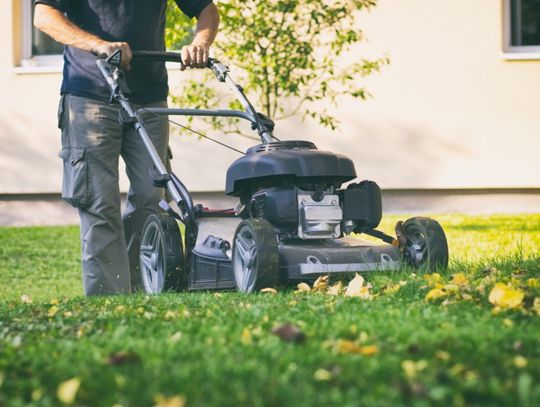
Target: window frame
(28, 60)
(517, 52)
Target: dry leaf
(289, 333)
(322, 375)
(269, 290)
(350, 347)
(460, 279)
(520, 362)
(335, 289)
(434, 294)
(170, 314)
(176, 336)
(176, 401)
(505, 296)
(52, 311)
(67, 391)
(355, 286)
(303, 287)
(411, 368)
(246, 337)
(26, 299)
(121, 358)
(321, 284)
(536, 305)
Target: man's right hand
(104, 49)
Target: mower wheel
(426, 243)
(161, 255)
(255, 256)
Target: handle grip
(162, 56)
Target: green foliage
(290, 54)
(179, 27)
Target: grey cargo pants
(92, 142)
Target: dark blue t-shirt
(140, 23)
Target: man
(93, 139)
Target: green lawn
(208, 349)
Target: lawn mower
(298, 216)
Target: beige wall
(448, 112)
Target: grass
(208, 349)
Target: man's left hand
(194, 56)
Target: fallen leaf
(335, 289)
(176, 336)
(67, 391)
(536, 305)
(460, 279)
(442, 355)
(321, 284)
(520, 362)
(354, 288)
(303, 287)
(322, 375)
(289, 333)
(26, 299)
(505, 296)
(433, 279)
(246, 337)
(54, 301)
(533, 282)
(351, 347)
(121, 358)
(175, 401)
(269, 290)
(411, 368)
(435, 293)
(170, 315)
(391, 289)
(52, 311)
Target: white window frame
(52, 63)
(513, 52)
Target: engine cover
(289, 161)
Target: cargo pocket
(75, 184)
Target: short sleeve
(192, 8)
(57, 4)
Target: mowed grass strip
(203, 349)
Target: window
(38, 48)
(522, 21)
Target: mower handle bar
(163, 56)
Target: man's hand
(194, 56)
(104, 49)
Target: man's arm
(55, 24)
(195, 55)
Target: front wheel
(161, 255)
(255, 256)
(426, 243)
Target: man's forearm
(207, 26)
(55, 24)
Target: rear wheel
(426, 243)
(255, 256)
(161, 255)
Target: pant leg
(143, 197)
(92, 138)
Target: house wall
(448, 112)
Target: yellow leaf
(355, 286)
(536, 305)
(176, 336)
(442, 355)
(411, 368)
(391, 289)
(269, 290)
(246, 337)
(52, 311)
(505, 296)
(303, 287)
(170, 314)
(68, 314)
(67, 391)
(26, 299)
(433, 279)
(322, 375)
(435, 293)
(119, 309)
(520, 362)
(460, 279)
(533, 282)
(321, 284)
(54, 301)
(369, 350)
(335, 289)
(508, 322)
(176, 401)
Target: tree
(288, 55)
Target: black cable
(196, 132)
